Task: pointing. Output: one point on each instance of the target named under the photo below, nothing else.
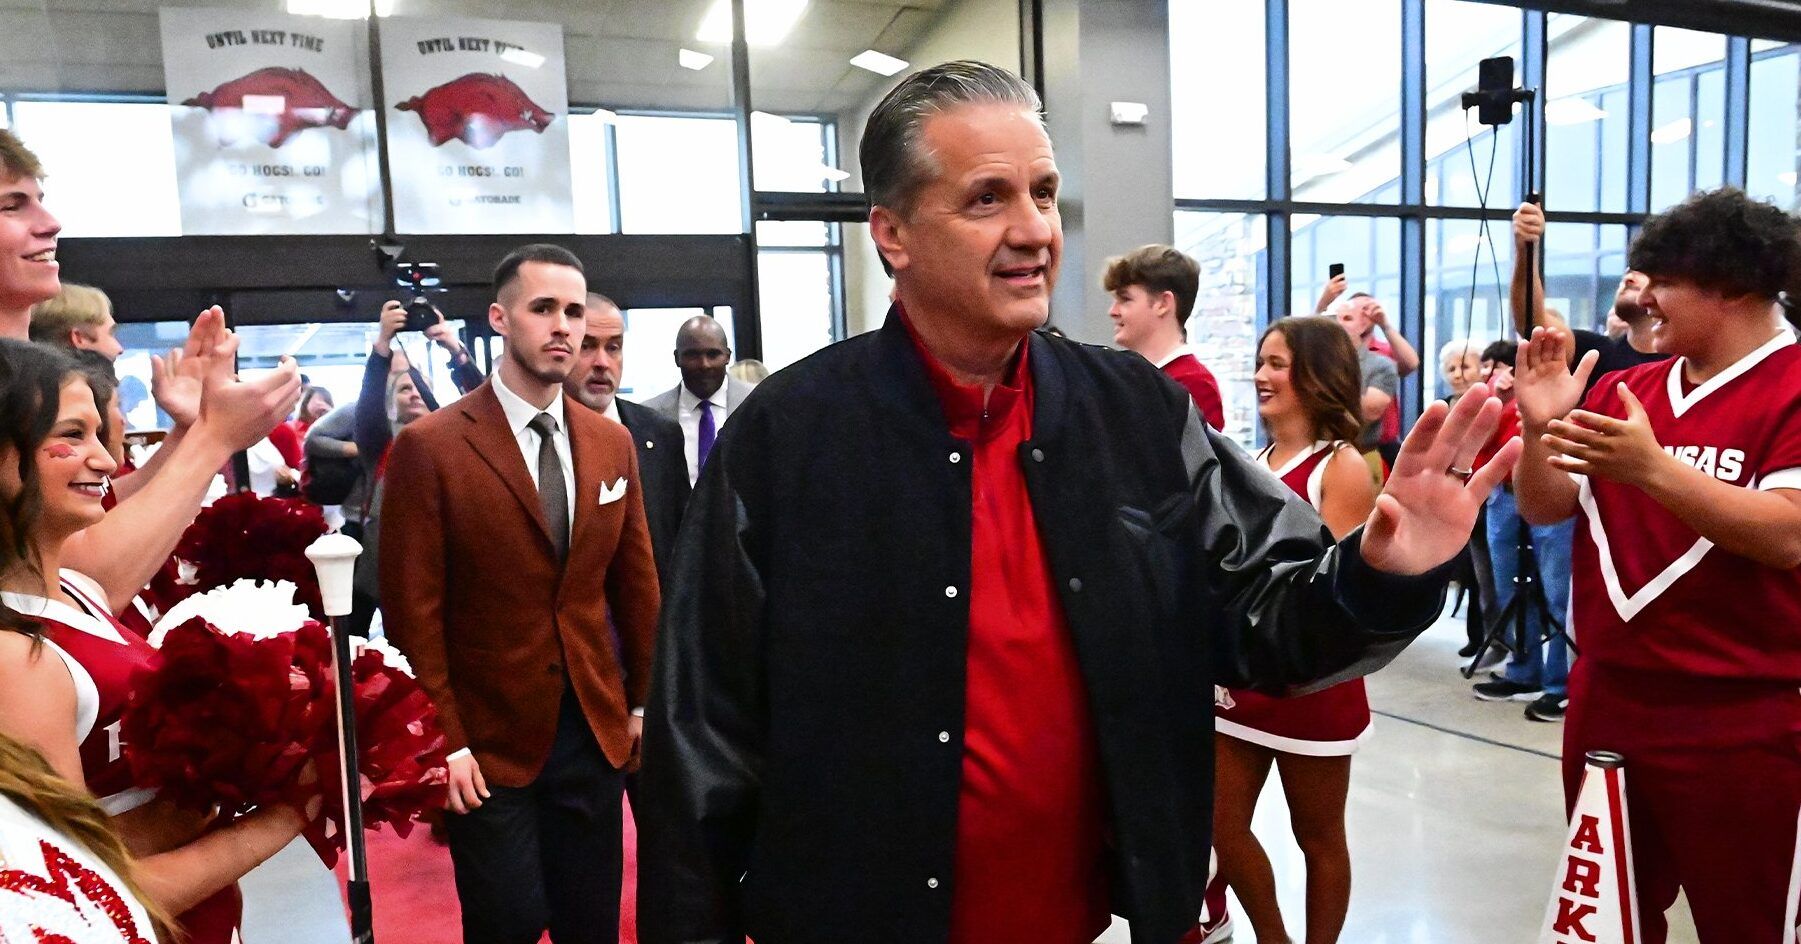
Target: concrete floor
(1455, 821)
(1455, 816)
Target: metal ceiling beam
(1760, 19)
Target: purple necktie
(707, 431)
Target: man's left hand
(1424, 515)
(1624, 451)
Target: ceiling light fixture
(1572, 111)
(1674, 131)
(878, 62)
(766, 22)
(340, 9)
(690, 59)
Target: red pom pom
(244, 535)
(231, 721)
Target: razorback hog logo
(272, 105)
(478, 109)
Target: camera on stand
(420, 281)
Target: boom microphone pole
(1493, 99)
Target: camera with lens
(420, 280)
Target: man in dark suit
(707, 395)
(512, 527)
(952, 596)
(599, 363)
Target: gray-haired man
(951, 597)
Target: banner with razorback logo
(273, 133)
(478, 125)
(1595, 898)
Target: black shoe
(1548, 708)
(1503, 690)
(1469, 650)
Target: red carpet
(414, 889)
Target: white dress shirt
(612, 411)
(687, 412)
(519, 417)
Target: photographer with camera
(394, 393)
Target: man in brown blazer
(512, 528)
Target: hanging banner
(478, 125)
(1595, 899)
(272, 130)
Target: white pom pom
(389, 654)
(249, 607)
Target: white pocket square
(612, 493)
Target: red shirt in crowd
(1029, 866)
(1184, 368)
(287, 442)
(1391, 417)
(1509, 427)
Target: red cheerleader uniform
(1691, 656)
(101, 655)
(1326, 723)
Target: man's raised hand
(1426, 511)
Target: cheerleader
(1308, 393)
(1684, 477)
(64, 871)
(66, 663)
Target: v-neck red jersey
(1029, 866)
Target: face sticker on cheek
(60, 451)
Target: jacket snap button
(650, 444)
(931, 883)
(944, 737)
(950, 592)
(956, 457)
(1038, 455)
(1075, 585)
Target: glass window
(1681, 58)
(98, 190)
(1583, 264)
(1219, 116)
(1344, 97)
(142, 339)
(1223, 328)
(1369, 248)
(1585, 113)
(795, 289)
(589, 171)
(1771, 150)
(1466, 283)
(809, 65)
(1463, 156)
(791, 154)
(678, 175)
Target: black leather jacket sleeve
(703, 751)
(1295, 613)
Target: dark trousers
(547, 855)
